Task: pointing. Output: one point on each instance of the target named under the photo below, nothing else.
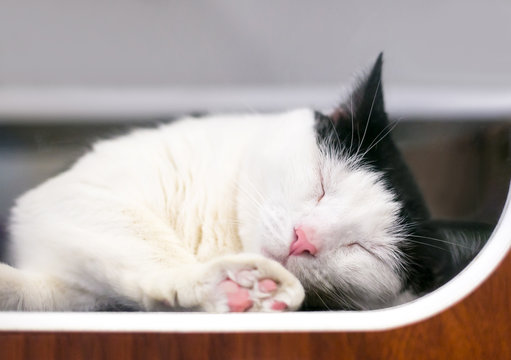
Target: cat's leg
(29, 291)
(231, 283)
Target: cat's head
(329, 197)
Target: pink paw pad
(238, 298)
(279, 305)
(267, 285)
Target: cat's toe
(276, 297)
(278, 305)
(246, 278)
(238, 298)
(267, 286)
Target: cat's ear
(364, 108)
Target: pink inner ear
(301, 244)
(338, 114)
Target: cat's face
(327, 218)
(322, 197)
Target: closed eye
(322, 188)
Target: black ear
(363, 112)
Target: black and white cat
(230, 213)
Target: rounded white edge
(425, 307)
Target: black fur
(361, 126)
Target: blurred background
(74, 71)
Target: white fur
(157, 218)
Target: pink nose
(301, 244)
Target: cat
(233, 213)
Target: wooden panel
(477, 328)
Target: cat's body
(228, 213)
(152, 201)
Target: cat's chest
(208, 231)
(203, 210)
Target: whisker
(352, 121)
(254, 188)
(373, 143)
(335, 130)
(270, 220)
(327, 289)
(430, 245)
(320, 298)
(332, 294)
(415, 223)
(442, 241)
(249, 196)
(369, 116)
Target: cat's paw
(252, 294)
(245, 282)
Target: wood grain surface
(479, 327)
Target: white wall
(460, 43)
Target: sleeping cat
(230, 213)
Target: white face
(328, 220)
